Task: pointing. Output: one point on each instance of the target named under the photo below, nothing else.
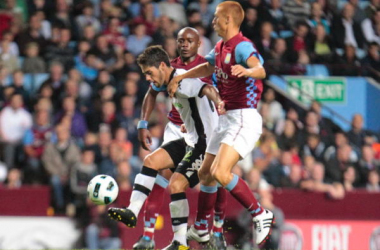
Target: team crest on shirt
(227, 59)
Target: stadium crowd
(71, 92)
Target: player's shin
(144, 182)
(219, 210)
(179, 211)
(153, 205)
(206, 201)
(242, 193)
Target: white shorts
(172, 132)
(239, 128)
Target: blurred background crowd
(71, 92)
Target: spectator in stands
(300, 42)
(312, 127)
(89, 34)
(275, 112)
(165, 29)
(127, 116)
(349, 178)
(278, 171)
(31, 34)
(78, 126)
(265, 41)
(32, 62)
(348, 64)
(317, 183)
(373, 183)
(296, 10)
(266, 154)
(346, 30)
(18, 85)
(250, 26)
(336, 166)
(288, 138)
(8, 60)
(148, 17)
(340, 139)
(57, 159)
(81, 174)
(325, 123)
(104, 51)
(14, 179)
(173, 10)
(61, 51)
(205, 9)
(367, 163)
(113, 34)
(371, 62)
(357, 135)
(277, 61)
(14, 122)
(170, 46)
(102, 233)
(46, 29)
(124, 175)
(322, 49)
(107, 115)
(13, 48)
(63, 17)
(277, 17)
(317, 18)
(371, 28)
(139, 41)
(55, 80)
(121, 140)
(34, 142)
(359, 14)
(314, 147)
(87, 18)
(85, 90)
(371, 8)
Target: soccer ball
(102, 190)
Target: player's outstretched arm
(254, 70)
(202, 70)
(148, 104)
(214, 96)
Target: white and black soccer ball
(102, 190)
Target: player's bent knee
(204, 174)
(149, 162)
(178, 184)
(219, 176)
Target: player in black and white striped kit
(196, 102)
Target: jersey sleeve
(210, 57)
(160, 89)
(190, 87)
(245, 50)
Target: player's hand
(239, 71)
(145, 138)
(183, 128)
(173, 85)
(221, 108)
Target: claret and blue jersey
(237, 92)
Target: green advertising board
(305, 89)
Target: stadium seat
(38, 80)
(318, 70)
(28, 82)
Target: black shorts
(186, 159)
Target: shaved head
(189, 29)
(233, 9)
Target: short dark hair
(153, 56)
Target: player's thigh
(178, 183)
(190, 165)
(225, 160)
(175, 150)
(159, 159)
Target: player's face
(219, 22)
(188, 44)
(153, 75)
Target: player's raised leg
(225, 160)
(144, 181)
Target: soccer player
(188, 43)
(194, 100)
(238, 69)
